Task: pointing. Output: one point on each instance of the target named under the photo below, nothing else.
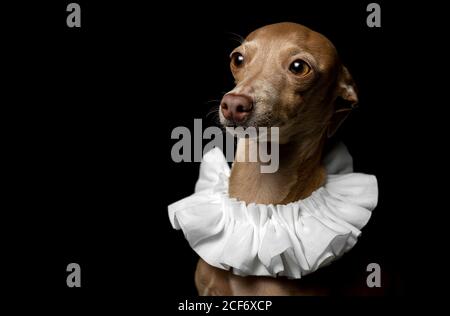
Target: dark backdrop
(96, 107)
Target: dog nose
(236, 107)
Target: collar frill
(289, 240)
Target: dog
(291, 77)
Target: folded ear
(345, 101)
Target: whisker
(213, 101)
(236, 37)
(212, 111)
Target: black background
(93, 112)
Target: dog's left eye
(237, 59)
(299, 67)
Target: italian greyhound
(291, 77)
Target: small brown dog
(291, 77)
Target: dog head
(288, 76)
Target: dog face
(288, 76)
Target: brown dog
(291, 77)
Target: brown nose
(236, 107)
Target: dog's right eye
(299, 67)
(237, 59)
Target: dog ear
(346, 100)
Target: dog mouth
(240, 124)
(233, 124)
(250, 123)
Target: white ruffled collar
(289, 240)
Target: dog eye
(237, 59)
(299, 67)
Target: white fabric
(269, 240)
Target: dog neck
(299, 174)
